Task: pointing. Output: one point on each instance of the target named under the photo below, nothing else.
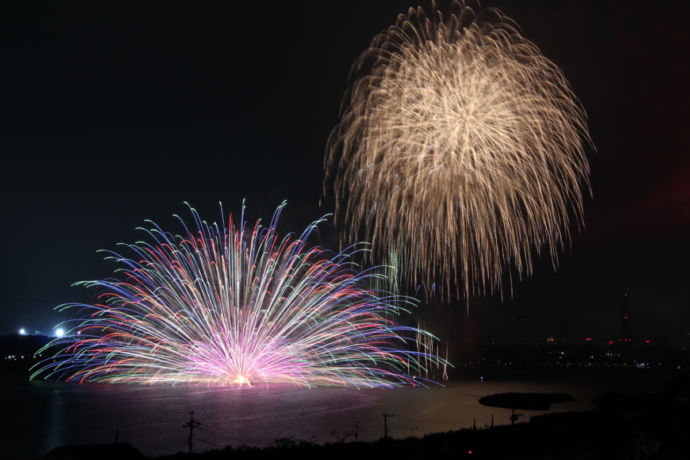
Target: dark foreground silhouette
(116, 451)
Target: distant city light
(59, 332)
(22, 331)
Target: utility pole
(191, 424)
(385, 424)
(627, 340)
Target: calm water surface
(45, 415)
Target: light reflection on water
(151, 418)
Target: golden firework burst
(461, 149)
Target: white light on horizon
(22, 331)
(59, 332)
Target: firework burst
(460, 150)
(232, 304)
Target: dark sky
(114, 115)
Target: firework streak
(232, 304)
(460, 150)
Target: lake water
(45, 415)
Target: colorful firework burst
(460, 150)
(230, 304)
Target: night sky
(114, 115)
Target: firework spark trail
(230, 304)
(461, 150)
